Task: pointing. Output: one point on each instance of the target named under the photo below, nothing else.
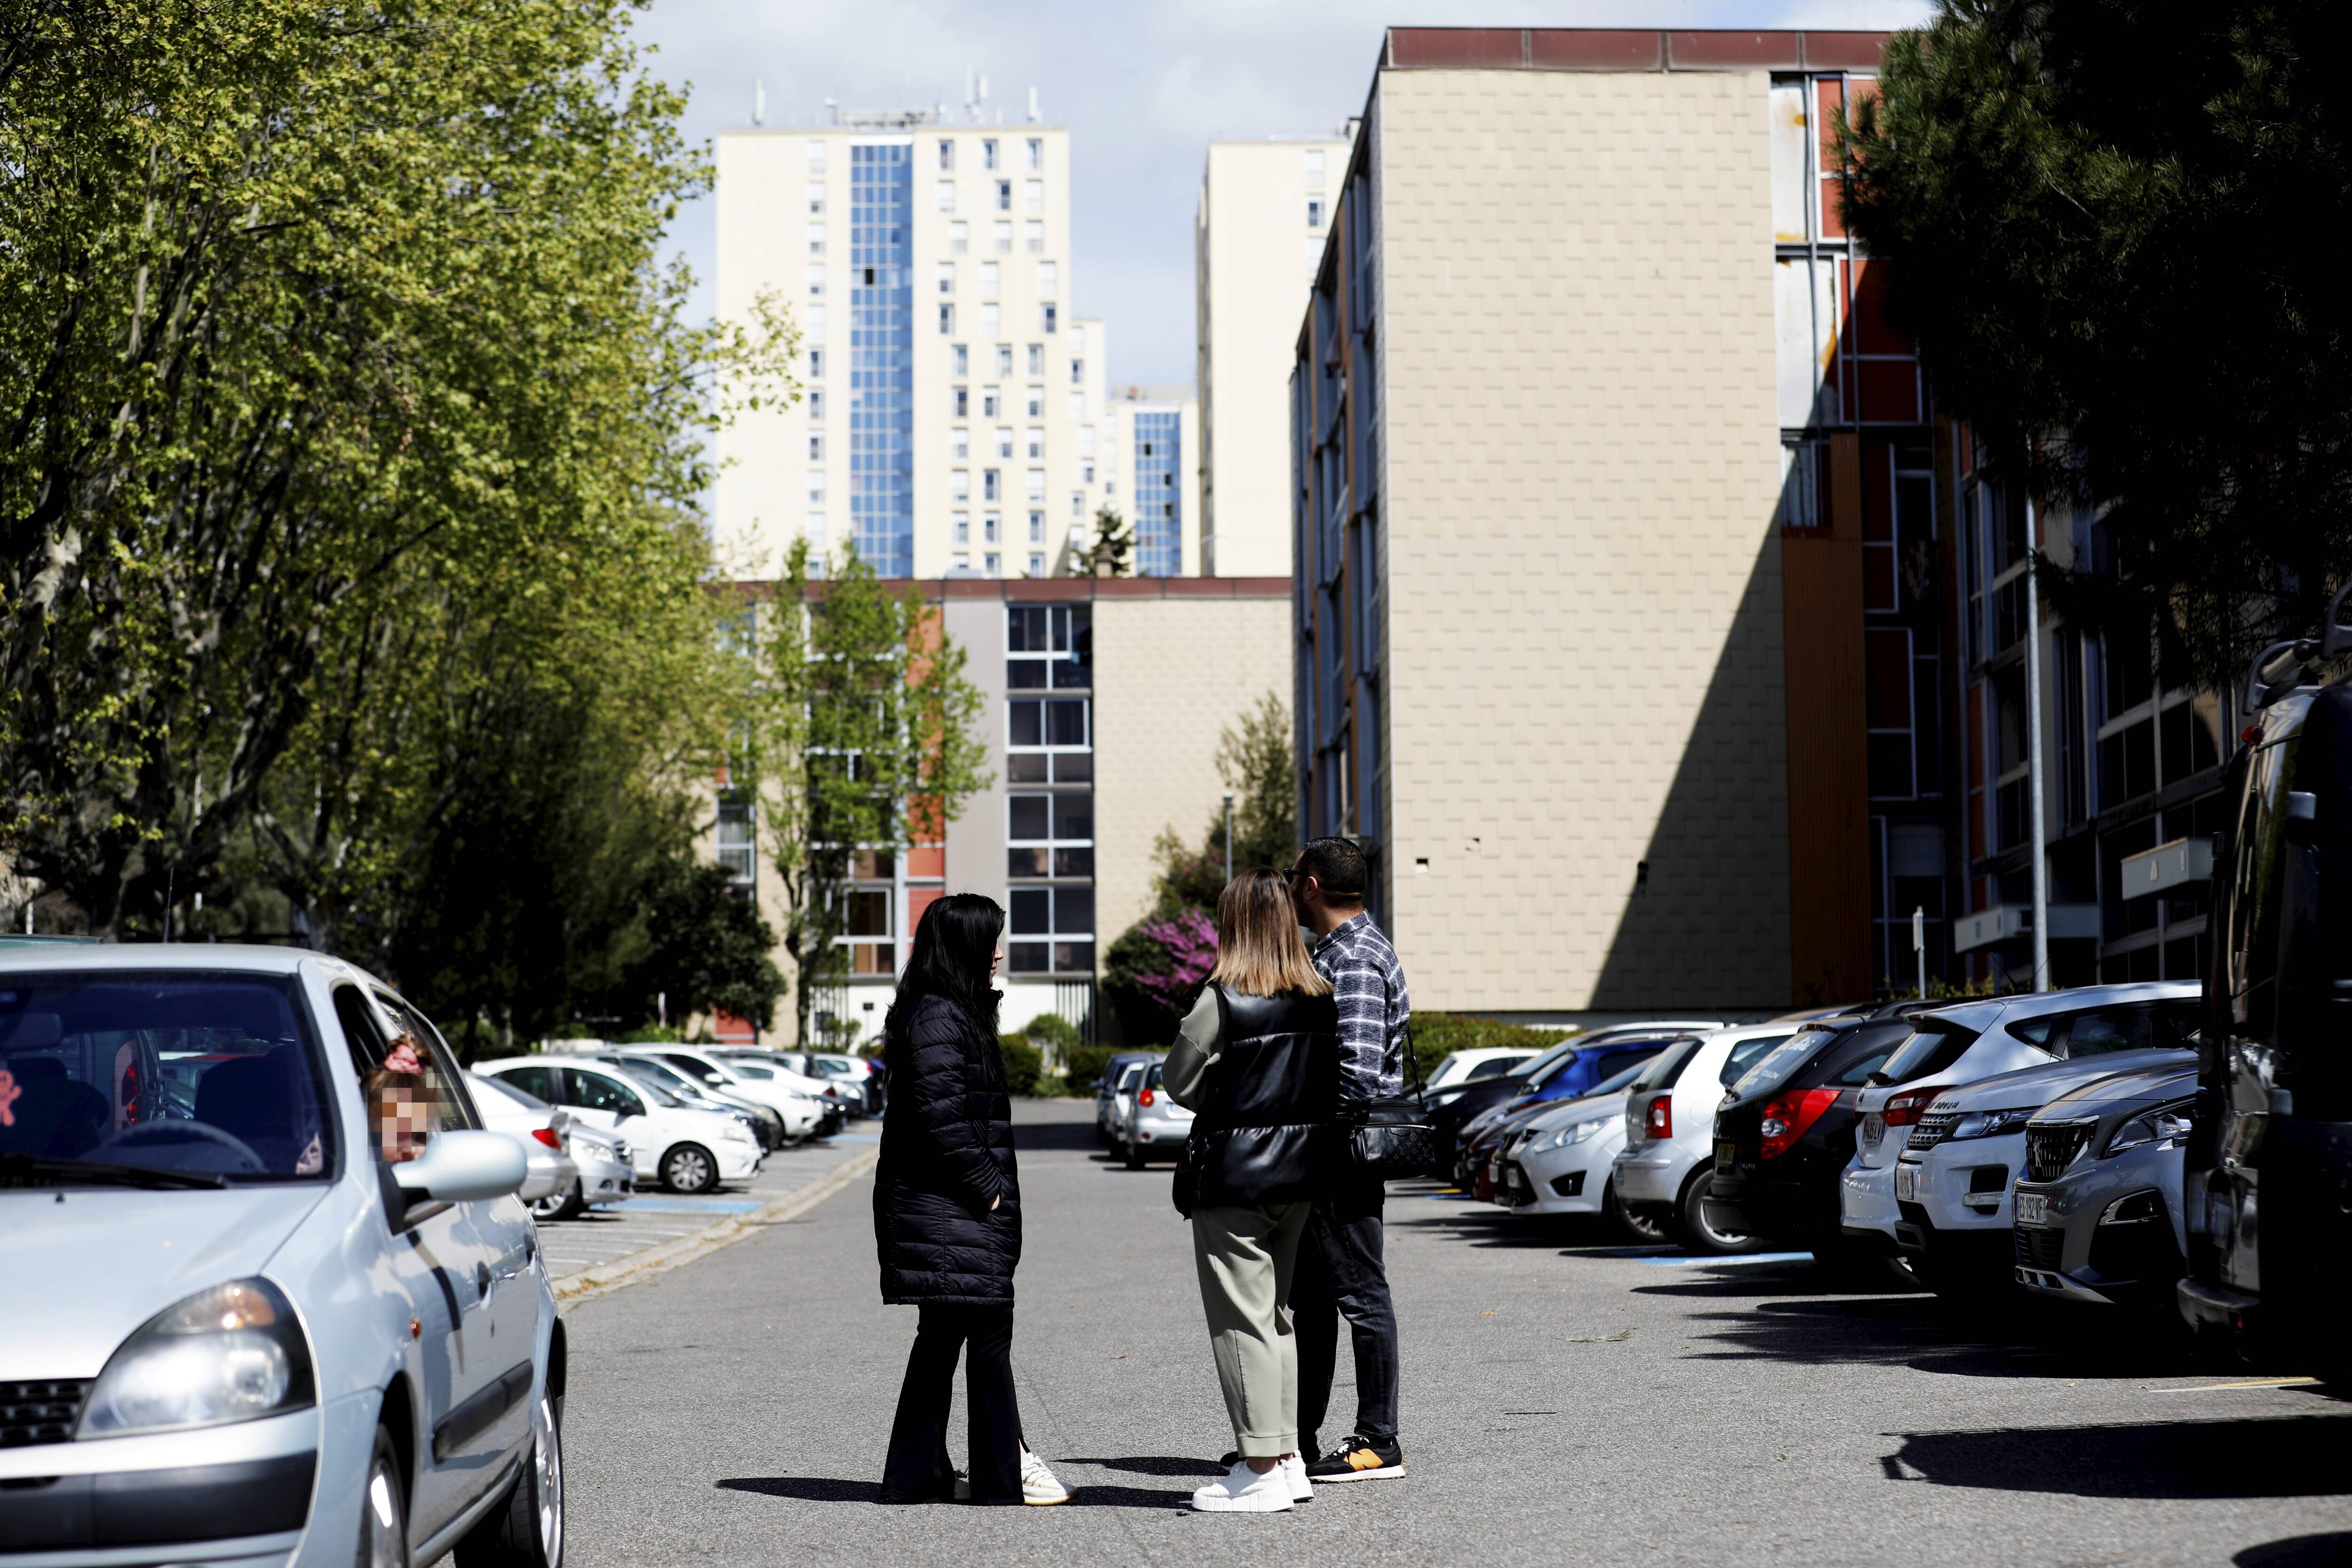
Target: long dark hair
(953, 942)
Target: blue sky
(1143, 88)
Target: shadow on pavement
(1086, 1496)
(1155, 1465)
(2330, 1550)
(806, 1488)
(1061, 1136)
(2297, 1456)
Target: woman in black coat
(947, 1214)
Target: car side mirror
(2302, 817)
(462, 1166)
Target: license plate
(1874, 1127)
(1726, 1155)
(2032, 1208)
(1906, 1184)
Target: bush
(1052, 1029)
(1024, 1064)
(1436, 1035)
(1153, 972)
(651, 1035)
(1087, 1064)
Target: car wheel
(688, 1168)
(1134, 1156)
(1635, 1225)
(383, 1508)
(1702, 1235)
(526, 1532)
(568, 1205)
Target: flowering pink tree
(1191, 946)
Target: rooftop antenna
(832, 110)
(979, 104)
(759, 103)
(1033, 116)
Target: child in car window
(402, 1107)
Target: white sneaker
(1294, 1470)
(1038, 1486)
(1243, 1490)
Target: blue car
(1565, 1075)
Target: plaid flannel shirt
(1368, 983)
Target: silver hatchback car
(270, 1296)
(1156, 1126)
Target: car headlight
(1579, 1131)
(1992, 1123)
(2152, 1126)
(231, 1353)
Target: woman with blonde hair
(1258, 1059)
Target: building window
(946, 154)
(1000, 236)
(872, 948)
(1050, 931)
(1033, 195)
(990, 278)
(992, 565)
(1036, 485)
(1036, 402)
(816, 320)
(990, 529)
(945, 193)
(1004, 196)
(963, 402)
(1313, 168)
(1034, 231)
(1077, 339)
(1079, 503)
(1005, 440)
(1077, 367)
(991, 322)
(962, 565)
(959, 236)
(1036, 566)
(988, 152)
(1078, 406)
(1036, 443)
(990, 484)
(947, 320)
(1004, 359)
(961, 523)
(1049, 317)
(945, 274)
(817, 198)
(816, 402)
(959, 484)
(817, 157)
(816, 448)
(960, 443)
(1036, 528)
(1802, 464)
(1037, 357)
(1049, 278)
(963, 357)
(816, 484)
(813, 529)
(989, 403)
(1086, 473)
(816, 279)
(1315, 212)
(1036, 154)
(1158, 524)
(816, 239)
(1086, 448)
(816, 362)
(738, 850)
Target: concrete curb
(603, 1278)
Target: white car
(254, 1313)
(1668, 1147)
(599, 1165)
(1559, 1163)
(769, 1067)
(796, 1096)
(1953, 1178)
(548, 1171)
(1962, 1044)
(1486, 1061)
(607, 1174)
(685, 1149)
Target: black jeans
(919, 1468)
(1341, 1274)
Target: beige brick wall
(1170, 676)
(1583, 659)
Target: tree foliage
(2107, 221)
(1256, 762)
(1112, 551)
(865, 739)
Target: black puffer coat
(947, 1150)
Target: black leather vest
(1270, 1104)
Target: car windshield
(1535, 1071)
(1781, 1061)
(1151, 1078)
(209, 1074)
(657, 1079)
(1745, 1055)
(1935, 1046)
(751, 1069)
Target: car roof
(2051, 1080)
(1755, 1031)
(1984, 1014)
(2166, 1082)
(545, 1059)
(257, 958)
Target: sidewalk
(609, 1247)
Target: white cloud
(1142, 88)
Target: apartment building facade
(950, 397)
(1258, 230)
(1622, 639)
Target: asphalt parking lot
(1566, 1400)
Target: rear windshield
(1628, 1079)
(1746, 1054)
(1781, 1061)
(215, 1074)
(1151, 1078)
(1931, 1048)
(528, 1101)
(1668, 1066)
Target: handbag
(1392, 1138)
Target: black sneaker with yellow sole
(1359, 1458)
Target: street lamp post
(2033, 746)
(1229, 836)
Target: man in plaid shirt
(1341, 1269)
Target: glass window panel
(870, 913)
(1072, 767)
(1026, 767)
(1074, 909)
(1027, 815)
(1074, 957)
(1031, 911)
(1066, 721)
(1025, 674)
(1025, 862)
(1073, 862)
(1074, 815)
(1028, 723)
(1029, 957)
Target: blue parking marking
(1730, 1262)
(690, 1205)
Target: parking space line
(1731, 1261)
(2251, 1382)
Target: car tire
(1134, 1156)
(1635, 1225)
(1694, 1229)
(526, 1530)
(571, 1206)
(383, 1508)
(688, 1168)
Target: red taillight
(547, 1136)
(1144, 1099)
(1658, 1121)
(1906, 1107)
(1785, 1117)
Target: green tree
(340, 380)
(2107, 222)
(1256, 760)
(865, 740)
(1112, 553)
